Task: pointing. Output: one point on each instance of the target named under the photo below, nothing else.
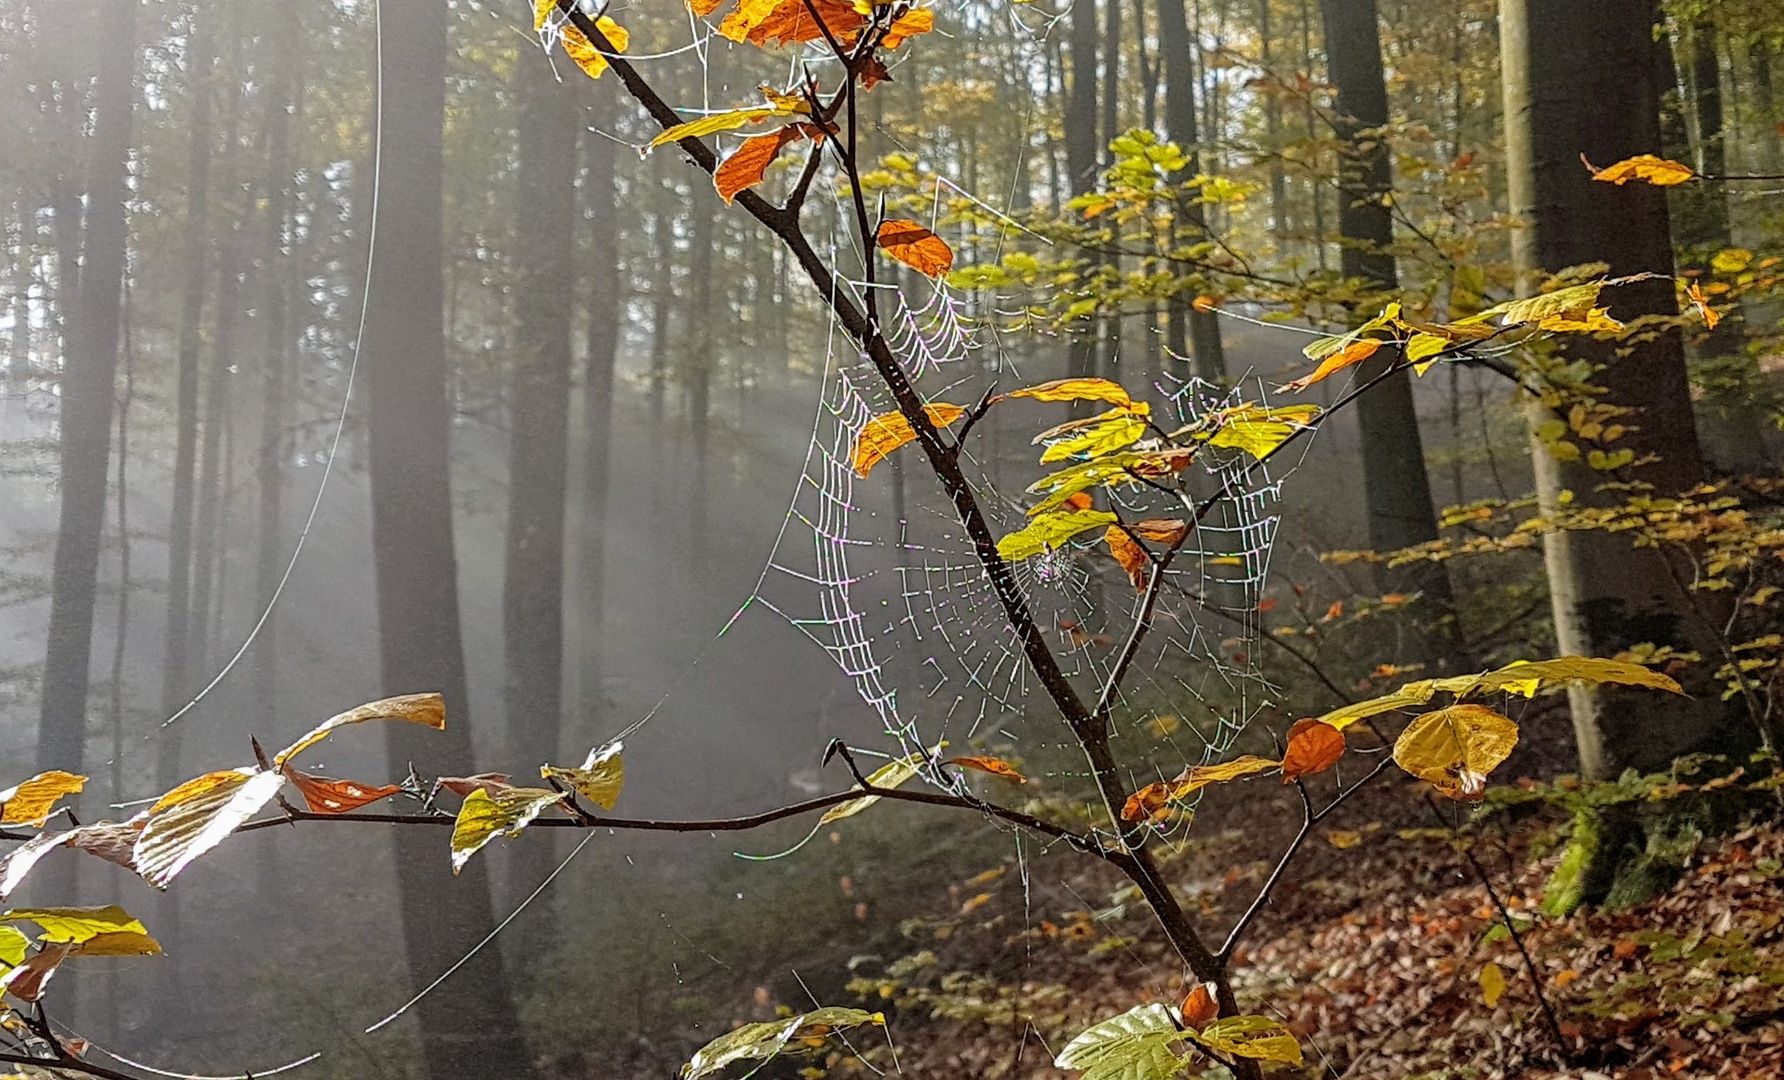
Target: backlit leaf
(1048, 531)
(748, 164)
(1110, 470)
(462, 786)
(1571, 304)
(1200, 1006)
(76, 924)
(1526, 678)
(324, 795)
(1114, 430)
(711, 124)
(428, 710)
(915, 246)
(1699, 301)
(909, 25)
(205, 811)
(106, 840)
(600, 779)
(1256, 1037)
(1193, 780)
(1133, 1046)
(1492, 984)
(1354, 353)
(26, 981)
(1328, 346)
(994, 766)
(1455, 748)
(1258, 430)
(1661, 172)
(1313, 748)
(761, 1042)
(1076, 390)
(582, 51)
(13, 946)
(890, 430)
(890, 775)
(1420, 348)
(483, 816)
(762, 22)
(1408, 696)
(30, 803)
(1130, 554)
(1596, 321)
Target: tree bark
(539, 419)
(1188, 332)
(473, 1031)
(1397, 491)
(1562, 101)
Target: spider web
(882, 577)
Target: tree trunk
(89, 369)
(176, 639)
(1272, 129)
(474, 1030)
(539, 419)
(24, 268)
(1562, 101)
(1188, 332)
(1765, 106)
(1396, 490)
(604, 314)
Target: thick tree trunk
(1562, 101)
(539, 419)
(603, 289)
(474, 1030)
(176, 637)
(1188, 332)
(1396, 489)
(88, 371)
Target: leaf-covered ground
(1374, 955)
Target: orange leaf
(889, 431)
(1150, 803)
(994, 766)
(1130, 554)
(916, 247)
(1354, 353)
(909, 25)
(328, 796)
(975, 903)
(1205, 303)
(749, 162)
(1702, 304)
(1313, 748)
(490, 783)
(1200, 1008)
(30, 803)
(1079, 500)
(1661, 172)
(874, 73)
(791, 22)
(1334, 612)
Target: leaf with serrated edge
(1049, 531)
(767, 1040)
(208, 810)
(1076, 390)
(599, 780)
(483, 816)
(428, 710)
(30, 803)
(1133, 1046)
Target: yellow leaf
(1421, 347)
(1731, 261)
(890, 775)
(888, 431)
(1492, 984)
(600, 778)
(1048, 531)
(909, 25)
(1257, 430)
(1661, 172)
(582, 51)
(768, 1039)
(1061, 486)
(482, 816)
(1193, 780)
(1076, 390)
(1408, 696)
(30, 803)
(1326, 346)
(1121, 428)
(118, 943)
(196, 816)
(1573, 304)
(1354, 353)
(1699, 301)
(1343, 839)
(428, 710)
(1455, 748)
(77, 924)
(1257, 1037)
(12, 946)
(915, 246)
(1527, 678)
(1596, 320)
(711, 124)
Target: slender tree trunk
(176, 638)
(18, 366)
(1081, 158)
(699, 360)
(474, 1031)
(1396, 488)
(1149, 70)
(539, 420)
(605, 311)
(88, 373)
(1562, 101)
(1272, 129)
(1765, 106)
(1188, 332)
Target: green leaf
(761, 1042)
(482, 816)
(1257, 1037)
(1133, 1046)
(1065, 483)
(1114, 430)
(1049, 531)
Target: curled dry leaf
(1130, 554)
(915, 246)
(1661, 172)
(1201, 1007)
(1455, 748)
(1701, 302)
(888, 431)
(890, 775)
(324, 795)
(1354, 353)
(994, 766)
(484, 815)
(108, 841)
(1147, 802)
(1313, 748)
(462, 786)
(769, 1039)
(30, 803)
(27, 981)
(600, 779)
(196, 816)
(428, 710)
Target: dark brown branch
(68, 1062)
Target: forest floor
(1372, 952)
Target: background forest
(354, 348)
